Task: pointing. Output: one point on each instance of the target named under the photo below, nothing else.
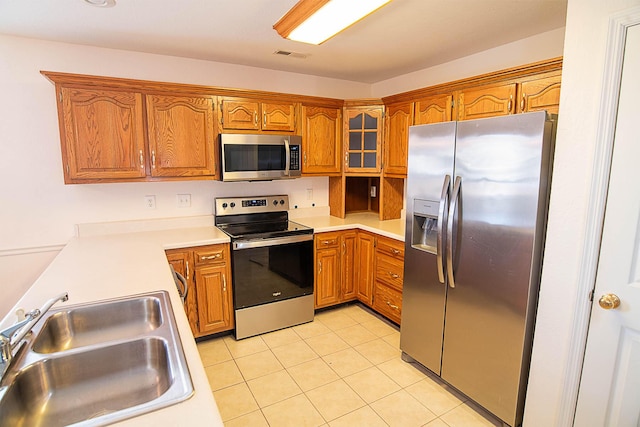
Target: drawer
(390, 247)
(209, 255)
(327, 240)
(390, 271)
(388, 302)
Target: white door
(610, 387)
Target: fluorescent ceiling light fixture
(101, 3)
(314, 21)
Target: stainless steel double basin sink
(98, 363)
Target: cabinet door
(540, 94)
(213, 289)
(103, 134)
(433, 109)
(366, 252)
(362, 136)
(399, 118)
(181, 135)
(327, 272)
(278, 117)
(182, 262)
(321, 140)
(486, 101)
(349, 265)
(388, 302)
(240, 114)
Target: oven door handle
(248, 244)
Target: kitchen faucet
(11, 337)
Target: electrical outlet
(183, 200)
(150, 202)
(309, 193)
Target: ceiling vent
(290, 54)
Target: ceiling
(404, 36)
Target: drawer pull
(327, 242)
(394, 275)
(395, 307)
(205, 258)
(395, 251)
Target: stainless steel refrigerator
(476, 208)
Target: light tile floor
(342, 369)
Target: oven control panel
(248, 205)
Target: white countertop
(393, 228)
(102, 266)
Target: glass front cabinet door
(362, 139)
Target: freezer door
(431, 149)
(499, 216)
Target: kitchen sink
(95, 364)
(82, 326)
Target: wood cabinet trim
(553, 65)
(149, 87)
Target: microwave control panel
(294, 157)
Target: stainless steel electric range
(272, 263)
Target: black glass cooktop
(264, 230)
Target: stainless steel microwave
(250, 157)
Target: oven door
(271, 270)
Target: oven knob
(224, 206)
(275, 203)
(281, 202)
(233, 205)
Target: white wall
(582, 82)
(532, 49)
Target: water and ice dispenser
(425, 225)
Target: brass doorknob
(609, 301)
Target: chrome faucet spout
(21, 333)
(11, 337)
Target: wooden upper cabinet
(102, 134)
(278, 117)
(433, 109)
(251, 114)
(182, 135)
(240, 114)
(486, 101)
(539, 94)
(321, 140)
(396, 142)
(362, 139)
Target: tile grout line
(334, 329)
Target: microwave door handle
(287, 156)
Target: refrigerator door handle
(444, 200)
(452, 210)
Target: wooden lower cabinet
(389, 277)
(365, 258)
(335, 267)
(209, 303)
(356, 264)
